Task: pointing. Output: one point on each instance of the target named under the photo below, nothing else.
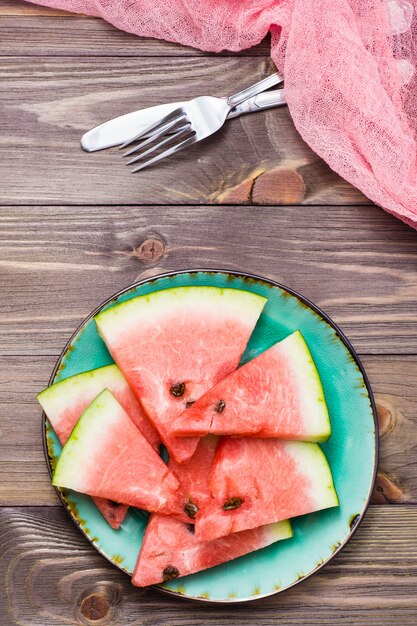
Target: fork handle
(253, 90)
(267, 100)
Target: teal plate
(351, 450)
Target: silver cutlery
(122, 128)
(188, 124)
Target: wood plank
(34, 35)
(59, 263)
(47, 569)
(20, 8)
(49, 102)
(24, 479)
(393, 382)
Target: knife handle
(265, 100)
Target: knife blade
(120, 129)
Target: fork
(190, 123)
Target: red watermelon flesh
(254, 482)
(278, 394)
(107, 456)
(65, 401)
(194, 474)
(173, 345)
(170, 547)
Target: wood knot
(387, 416)
(238, 194)
(150, 251)
(95, 607)
(278, 186)
(386, 491)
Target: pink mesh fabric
(349, 68)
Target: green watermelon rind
(313, 397)
(280, 530)
(153, 305)
(60, 390)
(313, 462)
(89, 429)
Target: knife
(120, 129)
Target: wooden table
(76, 228)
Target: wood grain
(24, 479)
(57, 264)
(20, 8)
(51, 573)
(49, 102)
(393, 381)
(33, 35)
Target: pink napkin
(349, 68)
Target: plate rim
(340, 334)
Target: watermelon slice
(173, 345)
(254, 482)
(65, 401)
(170, 547)
(107, 456)
(194, 474)
(278, 394)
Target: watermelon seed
(189, 403)
(170, 572)
(177, 390)
(220, 406)
(191, 528)
(191, 509)
(232, 503)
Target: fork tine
(154, 126)
(182, 132)
(167, 153)
(165, 129)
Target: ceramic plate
(351, 449)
